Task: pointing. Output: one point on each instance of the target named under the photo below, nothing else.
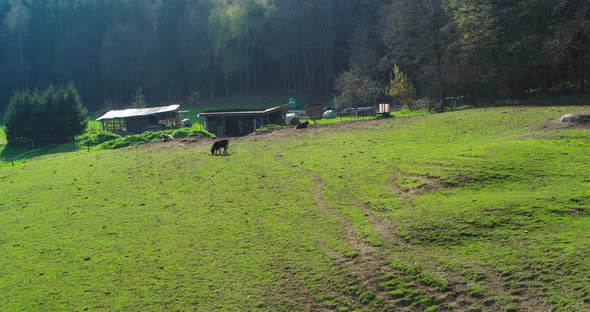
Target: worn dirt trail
(371, 263)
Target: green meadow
(475, 210)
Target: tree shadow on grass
(23, 151)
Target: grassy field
(478, 210)
(15, 154)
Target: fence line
(12, 159)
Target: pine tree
(56, 115)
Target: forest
(184, 51)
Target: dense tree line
(172, 49)
(51, 116)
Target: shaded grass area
(93, 138)
(493, 199)
(19, 153)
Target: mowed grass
(491, 205)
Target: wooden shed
(236, 122)
(139, 120)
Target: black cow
(217, 146)
(302, 125)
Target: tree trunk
(583, 74)
(21, 60)
(210, 77)
(226, 82)
(306, 66)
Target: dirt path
(523, 297)
(371, 263)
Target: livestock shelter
(139, 120)
(236, 122)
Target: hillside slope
(475, 210)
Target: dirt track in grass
(371, 262)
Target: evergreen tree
(18, 117)
(57, 115)
(481, 48)
(75, 112)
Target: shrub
(270, 127)
(153, 136)
(96, 137)
(188, 132)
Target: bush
(56, 115)
(97, 137)
(188, 132)
(131, 140)
(270, 127)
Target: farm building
(235, 122)
(139, 120)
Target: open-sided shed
(139, 120)
(235, 122)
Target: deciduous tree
(400, 87)
(356, 88)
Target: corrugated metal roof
(136, 112)
(239, 112)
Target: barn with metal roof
(236, 122)
(139, 120)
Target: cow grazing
(217, 146)
(166, 137)
(302, 125)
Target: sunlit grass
(508, 192)
(494, 198)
